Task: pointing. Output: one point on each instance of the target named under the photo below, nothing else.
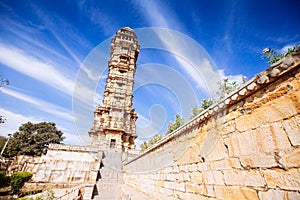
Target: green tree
(205, 103)
(179, 121)
(2, 142)
(31, 139)
(18, 179)
(152, 141)
(144, 146)
(271, 56)
(196, 110)
(225, 87)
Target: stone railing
(63, 147)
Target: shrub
(18, 179)
(4, 180)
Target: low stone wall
(244, 147)
(65, 166)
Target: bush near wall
(4, 180)
(18, 179)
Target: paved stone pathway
(110, 186)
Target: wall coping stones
(63, 147)
(270, 75)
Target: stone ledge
(63, 147)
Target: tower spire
(114, 124)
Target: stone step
(129, 193)
(122, 192)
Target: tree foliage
(2, 142)
(152, 141)
(17, 180)
(31, 139)
(4, 180)
(205, 103)
(271, 56)
(179, 121)
(225, 87)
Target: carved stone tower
(114, 123)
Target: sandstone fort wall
(244, 147)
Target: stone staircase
(109, 185)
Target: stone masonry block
(228, 127)
(265, 139)
(232, 115)
(196, 177)
(213, 178)
(241, 144)
(208, 190)
(278, 110)
(228, 163)
(193, 188)
(290, 159)
(179, 186)
(235, 193)
(186, 177)
(175, 169)
(292, 129)
(293, 195)
(180, 195)
(295, 83)
(243, 178)
(179, 177)
(270, 138)
(277, 178)
(215, 150)
(171, 177)
(192, 196)
(189, 155)
(260, 160)
(280, 139)
(203, 166)
(192, 167)
(271, 194)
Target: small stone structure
(246, 146)
(65, 167)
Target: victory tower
(114, 123)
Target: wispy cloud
(98, 17)
(157, 15)
(46, 73)
(34, 68)
(40, 104)
(192, 59)
(15, 120)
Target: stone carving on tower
(114, 124)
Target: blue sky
(45, 47)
